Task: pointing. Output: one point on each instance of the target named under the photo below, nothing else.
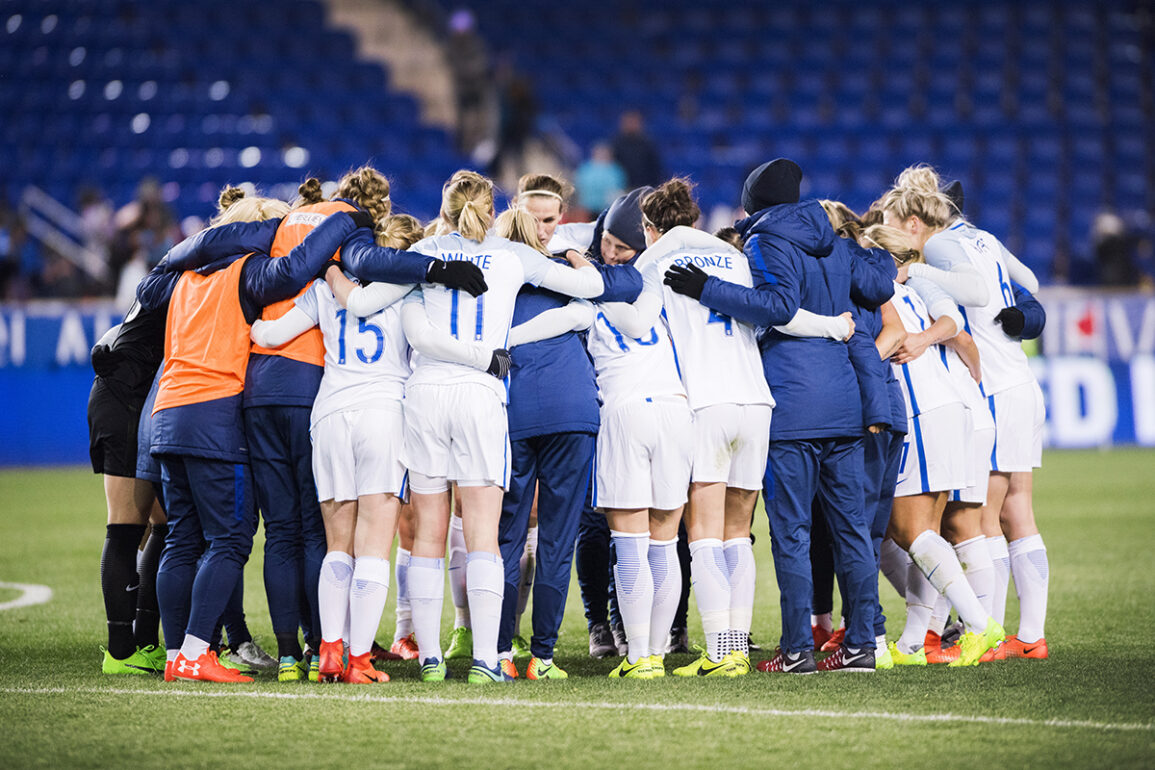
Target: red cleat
(405, 648)
(206, 668)
(360, 670)
(331, 661)
(380, 653)
(821, 636)
(1015, 648)
(835, 640)
(781, 663)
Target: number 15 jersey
(366, 359)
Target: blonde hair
(899, 244)
(843, 219)
(546, 186)
(368, 188)
(519, 225)
(467, 204)
(671, 204)
(399, 231)
(309, 192)
(233, 205)
(916, 193)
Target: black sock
(288, 645)
(119, 585)
(147, 613)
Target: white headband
(543, 192)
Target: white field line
(603, 705)
(32, 594)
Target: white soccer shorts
(731, 443)
(1019, 416)
(644, 455)
(457, 432)
(934, 454)
(358, 452)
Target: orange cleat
(332, 663)
(206, 668)
(405, 648)
(932, 641)
(1015, 648)
(998, 652)
(508, 668)
(821, 636)
(939, 654)
(168, 677)
(835, 640)
(360, 670)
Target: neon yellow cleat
(643, 669)
(460, 645)
(139, 663)
(703, 666)
(657, 667)
(900, 658)
(972, 645)
(741, 663)
(537, 669)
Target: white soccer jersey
(1004, 362)
(968, 389)
(628, 368)
(926, 383)
(718, 355)
(486, 318)
(366, 359)
(571, 235)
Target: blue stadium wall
(1098, 375)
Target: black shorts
(113, 414)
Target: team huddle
(508, 386)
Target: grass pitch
(1091, 704)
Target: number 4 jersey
(366, 359)
(717, 355)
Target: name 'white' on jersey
(926, 383)
(1005, 364)
(719, 358)
(628, 368)
(366, 359)
(486, 318)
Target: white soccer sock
(739, 555)
(938, 562)
(192, 647)
(401, 577)
(710, 578)
(333, 594)
(527, 564)
(457, 581)
(367, 595)
(939, 613)
(1032, 573)
(426, 595)
(1001, 559)
(920, 600)
(894, 562)
(485, 577)
(634, 584)
(667, 577)
(975, 558)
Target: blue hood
(803, 224)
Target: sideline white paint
(32, 594)
(604, 705)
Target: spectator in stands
(1114, 251)
(599, 180)
(20, 258)
(636, 152)
(145, 230)
(517, 117)
(469, 61)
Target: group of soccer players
(348, 375)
